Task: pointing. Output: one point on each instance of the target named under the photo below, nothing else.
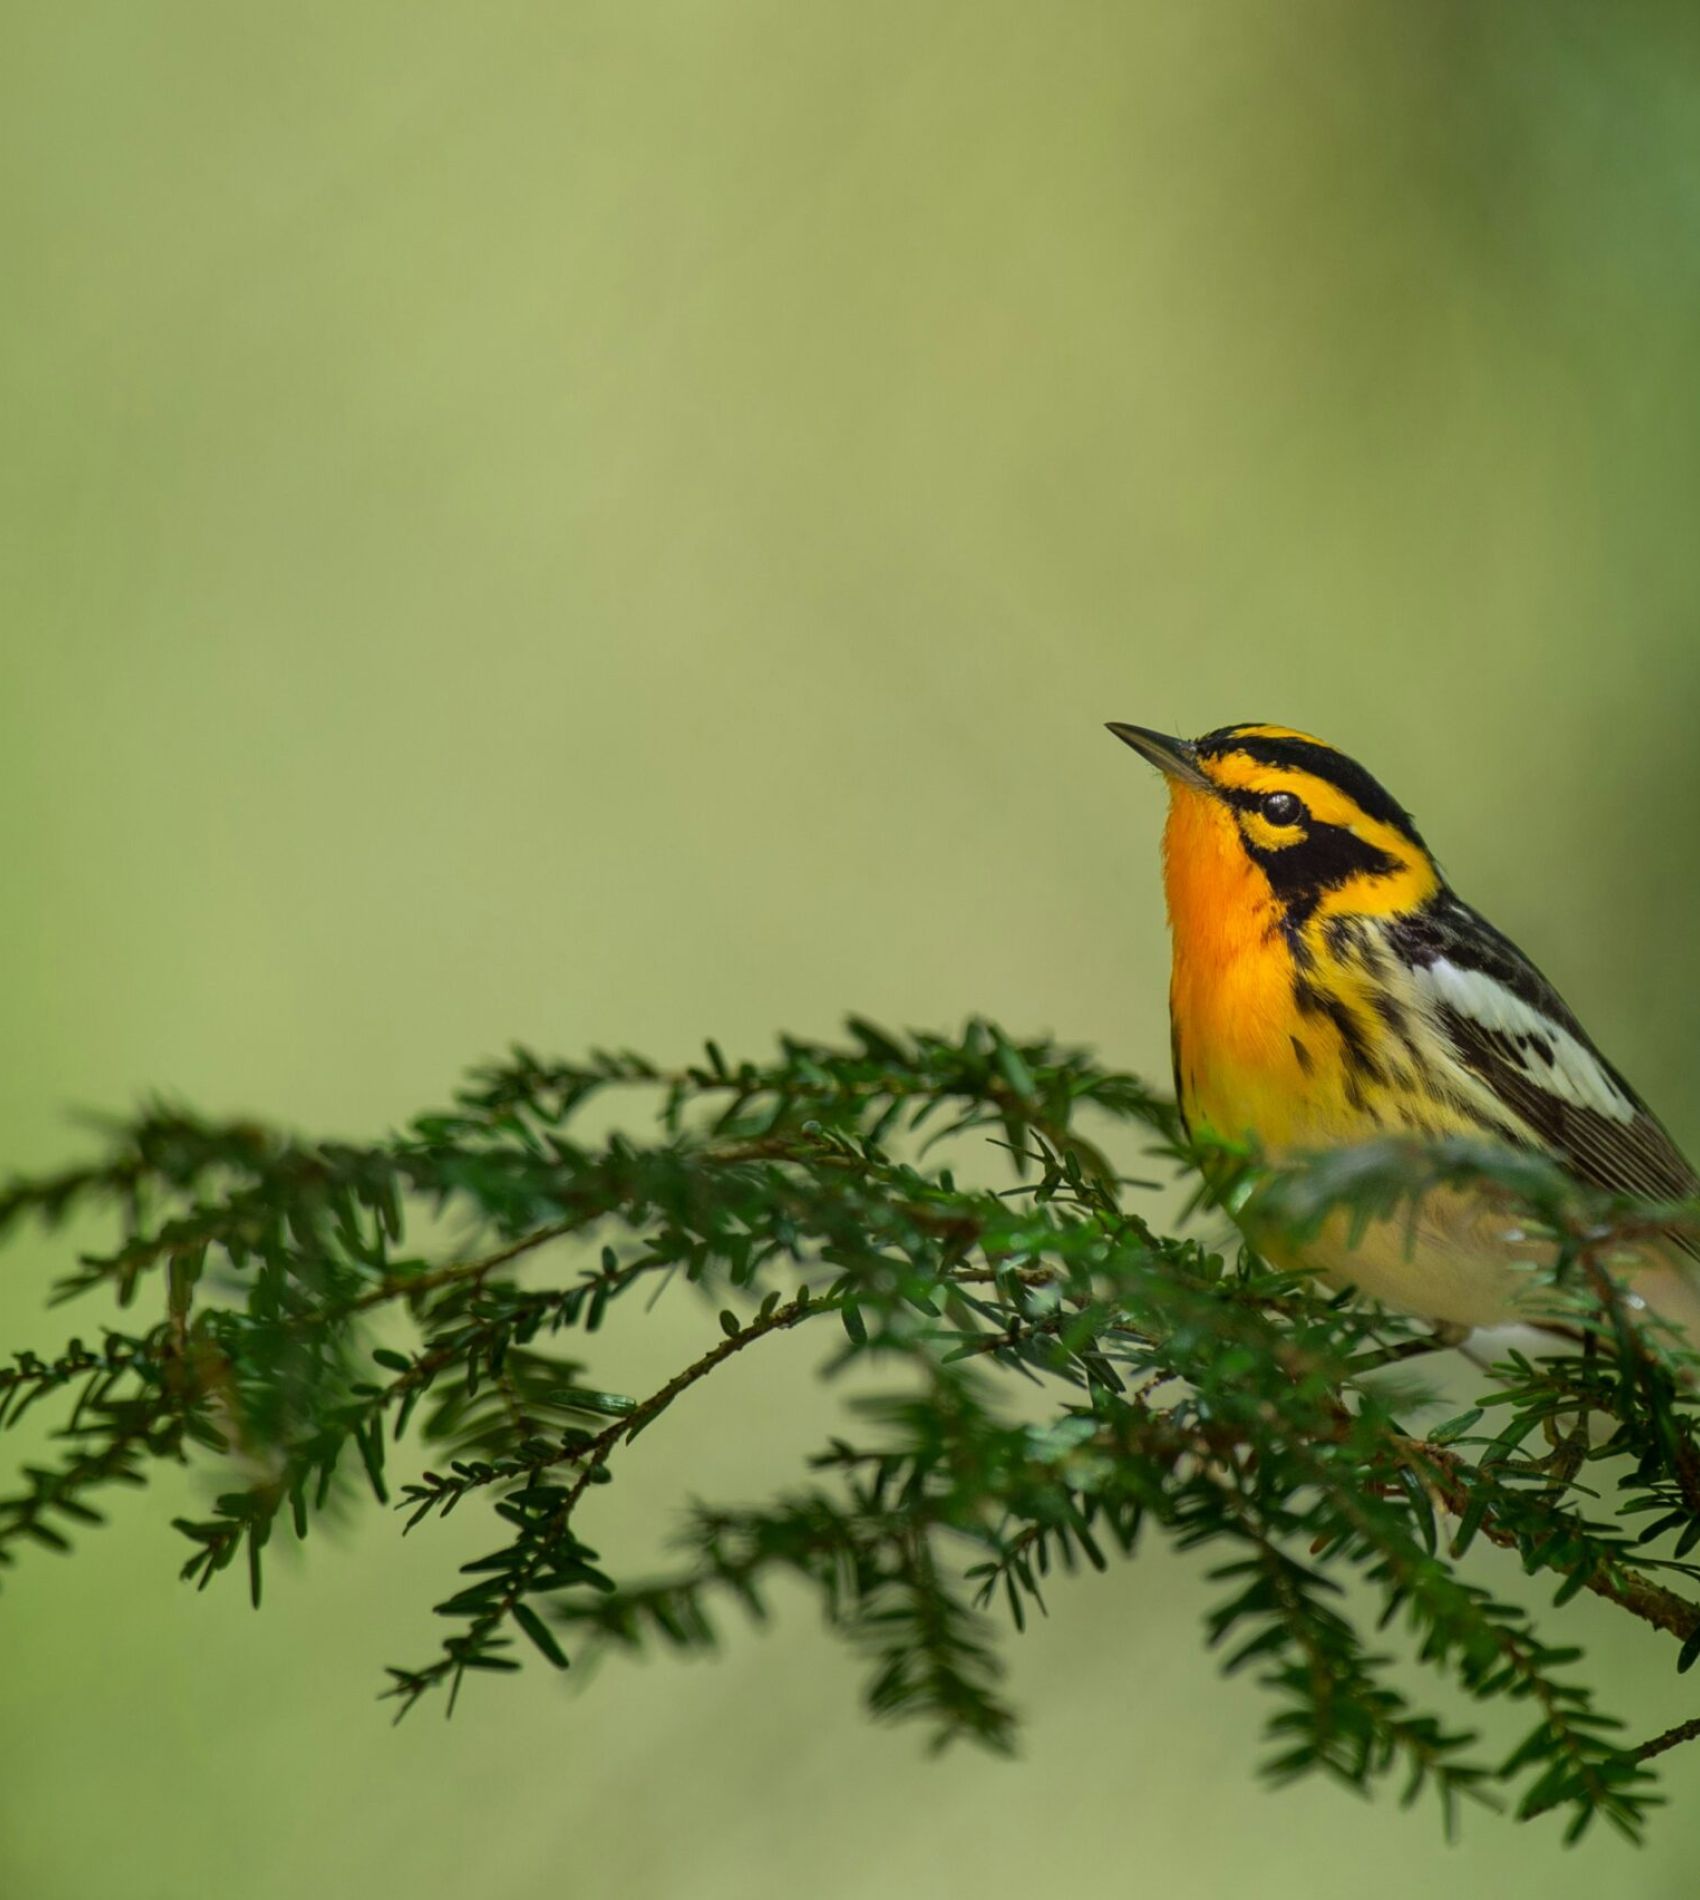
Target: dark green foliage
(1061, 1379)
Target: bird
(1329, 988)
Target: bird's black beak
(1174, 757)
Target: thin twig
(1672, 1738)
(1442, 1470)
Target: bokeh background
(621, 520)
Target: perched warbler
(1329, 987)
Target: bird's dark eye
(1282, 808)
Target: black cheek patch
(1327, 857)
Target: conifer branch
(1065, 1378)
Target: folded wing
(1511, 1030)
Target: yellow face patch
(1237, 772)
(1410, 877)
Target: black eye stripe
(1323, 762)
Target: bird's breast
(1243, 1063)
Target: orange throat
(1238, 1068)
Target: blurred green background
(621, 521)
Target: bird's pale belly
(1466, 1262)
(1462, 1258)
(1459, 1261)
(1451, 1263)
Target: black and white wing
(1515, 1035)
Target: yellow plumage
(1328, 987)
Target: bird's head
(1265, 816)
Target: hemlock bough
(1064, 1378)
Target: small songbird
(1329, 987)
